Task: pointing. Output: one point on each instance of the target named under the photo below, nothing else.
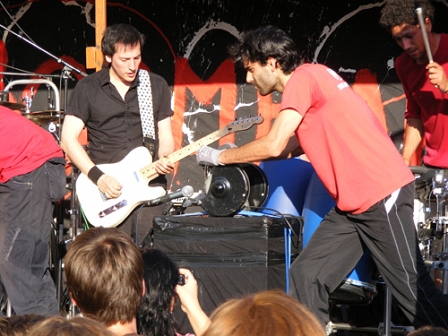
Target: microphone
(186, 191)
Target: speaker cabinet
(229, 256)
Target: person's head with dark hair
(267, 313)
(400, 12)
(4, 325)
(75, 326)
(162, 286)
(20, 325)
(122, 49)
(269, 55)
(400, 19)
(161, 278)
(429, 331)
(267, 42)
(104, 272)
(120, 34)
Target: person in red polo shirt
(357, 162)
(32, 177)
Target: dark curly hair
(161, 277)
(399, 12)
(269, 41)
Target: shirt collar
(105, 78)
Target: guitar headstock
(244, 123)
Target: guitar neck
(150, 170)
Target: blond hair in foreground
(268, 313)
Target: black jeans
(387, 230)
(26, 212)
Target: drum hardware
(433, 228)
(4, 101)
(36, 81)
(439, 268)
(12, 106)
(74, 225)
(230, 188)
(45, 117)
(28, 74)
(28, 100)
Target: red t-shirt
(24, 146)
(426, 102)
(345, 142)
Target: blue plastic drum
(358, 287)
(288, 181)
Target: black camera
(181, 280)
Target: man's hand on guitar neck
(163, 166)
(110, 186)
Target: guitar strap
(144, 94)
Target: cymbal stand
(438, 260)
(38, 81)
(74, 222)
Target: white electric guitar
(134, 172)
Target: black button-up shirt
(113, 124)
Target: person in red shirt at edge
(425, 83)
(322, 117)
(32, 178)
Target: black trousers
(388, 231)
(26, 215)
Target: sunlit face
(261, 76)
(410, 39)
(125, 62)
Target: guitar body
(134, 173)
(111, 212)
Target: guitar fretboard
(178, 155)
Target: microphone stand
(57, 59)
(28, 74)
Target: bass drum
(230, 188)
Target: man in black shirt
(109, 104)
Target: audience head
(268, 313)
(4, 325)
(161, 277)
(76, 326)
(429, 331)
(104, 274)
(19, 325)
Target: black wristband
(94, 174)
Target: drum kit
(431, 220)
(50, 119)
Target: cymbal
(43, 117)
(11, 105)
